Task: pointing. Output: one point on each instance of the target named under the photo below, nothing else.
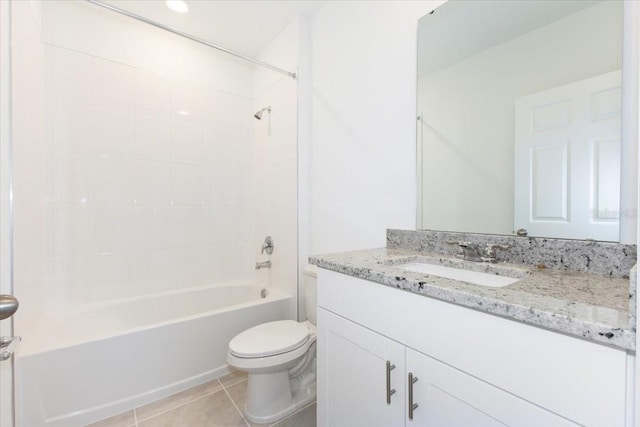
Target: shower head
(258, 115)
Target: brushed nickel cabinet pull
(390, 391)
(412, 406)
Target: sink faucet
(471, 251)
(467, 251)
(489, 254)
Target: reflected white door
(567, 160)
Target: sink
(475, 277)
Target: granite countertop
(589, 306)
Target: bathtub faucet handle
(267, 246)
(8, 344)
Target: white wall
(468, 113)
(362, 148)
(117, 193)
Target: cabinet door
(447, 397)
(352, 375)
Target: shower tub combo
(80, 367)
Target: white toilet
(280, 358)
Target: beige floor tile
(178, 399)
(238, 393)
(214, 410)
(306, 417)
(232, 378)
(126, 419)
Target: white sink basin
(475, 277)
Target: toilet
(280, 358)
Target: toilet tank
(310, 278)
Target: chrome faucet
(267, 246)
(471, 251)
(468, 251)
(489, 254)
(266, 264)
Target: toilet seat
(269, 339)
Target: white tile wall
(139, 167)
(133, 177)
(275, 157)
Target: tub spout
(266, 264)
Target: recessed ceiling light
(177, 6)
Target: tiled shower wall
(149, 189)
(134, 171)
(275, 159)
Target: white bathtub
(80, 367)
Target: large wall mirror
(519, 118)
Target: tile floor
(213, 404)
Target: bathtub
(83, 366)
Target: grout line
(234, 383)
(180, 406)
(232, 401)
(171, 408)
(291, 415)
(223, 388)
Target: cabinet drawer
(577, 379)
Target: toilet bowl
(280, 359)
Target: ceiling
(459, 28)
(245, 26)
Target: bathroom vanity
(522, 129)
(398, 346)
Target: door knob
(8, 306)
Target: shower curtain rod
(192, 38)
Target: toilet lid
(269, 338)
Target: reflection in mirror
(519, 107)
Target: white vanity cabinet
(354, 375)
(353, 370)
(447, 397)
(473, 369)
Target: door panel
(352, 380)
(606, 171)
(549, 174)
(455, 412)
(567, 160)
(448, 397)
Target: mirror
(519, 118)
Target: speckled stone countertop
(589, 306)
